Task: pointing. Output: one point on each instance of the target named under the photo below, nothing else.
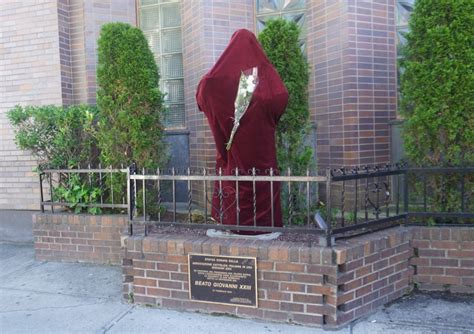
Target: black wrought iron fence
(212, 199)
(441, 195)
(367, 198)
(355, 200)
(84, 188)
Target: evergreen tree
(437, 85)
(129, 100)
(279, 39)
(437, 89)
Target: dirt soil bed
(186, 231)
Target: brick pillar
(352, 92)
(207, 28)
(87, 18)
(371, 54)
(79, 24)
(64, 29)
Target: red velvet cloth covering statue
(254, 142)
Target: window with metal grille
(160, 21)
(291, 10)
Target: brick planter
(294, 281)
(297, 282)
(372, 271)
(444, 258)
(83, 238)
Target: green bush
(59, 137)
(437, 89)
(437, 85)
(74, 189)
(129, 100)
(279, 39)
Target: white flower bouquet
(247, 85)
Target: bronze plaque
(230, 280)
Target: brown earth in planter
(155, 228)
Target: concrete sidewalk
(45, 297)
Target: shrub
(437, 85)
(59, 137)
(437, 89)
(75, 189)
(279, 39)
(130, 104)
(128, 98)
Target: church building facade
(49, 56)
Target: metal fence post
(328, 236)
(130, 191)
(405, 196)
(41, 192)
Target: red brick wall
(294, 281)
(327, 26)
(352, 90)
(370, 98)
(372, 271)
(95, 13)
(83, 238)
(297, 282)
(64, 18)
(444, 258)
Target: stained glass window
(291, 10)
(160, 21)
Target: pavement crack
(116, 320)
(59, 293)
(23, 269)
(433, 326)
(50, 308)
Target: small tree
(279, 39)
(437, 89)
(437, 86)
(129, 100)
